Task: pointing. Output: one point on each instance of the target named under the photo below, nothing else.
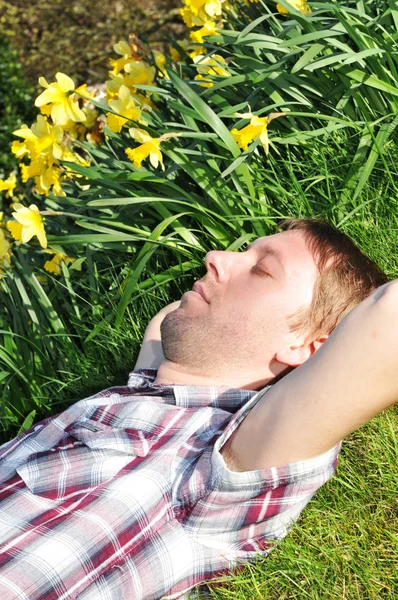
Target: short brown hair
(346, 276)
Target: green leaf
(28, 422)
(369, 80)
(307, 57)
(4, 375)
(310, 37)
(343, 58)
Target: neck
(170, 373)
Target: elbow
(385, 298)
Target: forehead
(290, 248)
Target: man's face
(237, 315)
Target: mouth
(199, 290)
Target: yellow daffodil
(19, 149)
(32, 223)
(199, 12)
(62, 103)
(127, 108)
(187, 16)
(113, 85)
(150, 147)
(124, 50)
(33, 170)
(196, 51)
(186, 45)
(15, 229)
(210, 65)
(46, 174)
(55, 264)
(40, 137)
(209, 28)
(91, 117)
(50, 180)
(140, 72)
(300, 5)
(8, 185)
(257, 129)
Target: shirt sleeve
(241, 514)
(8, 447)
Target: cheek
(273, 315)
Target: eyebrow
(268, 251)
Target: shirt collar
(230, 399)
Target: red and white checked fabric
(125, 496)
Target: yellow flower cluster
(129, 102)
(129, 71)
(67, 116)
(204, 14)
(50, 139)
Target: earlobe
(294, 356)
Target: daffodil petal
(51, 94)
(66, 84)
(27, 234)
(41, 236)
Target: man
(143, 491)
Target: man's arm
(350, 379)
(151, 354)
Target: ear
(302, 350)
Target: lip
(199, 290)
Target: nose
(219, 263)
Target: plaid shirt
(125, 496)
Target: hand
(151, 353)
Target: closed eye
(256, 270)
